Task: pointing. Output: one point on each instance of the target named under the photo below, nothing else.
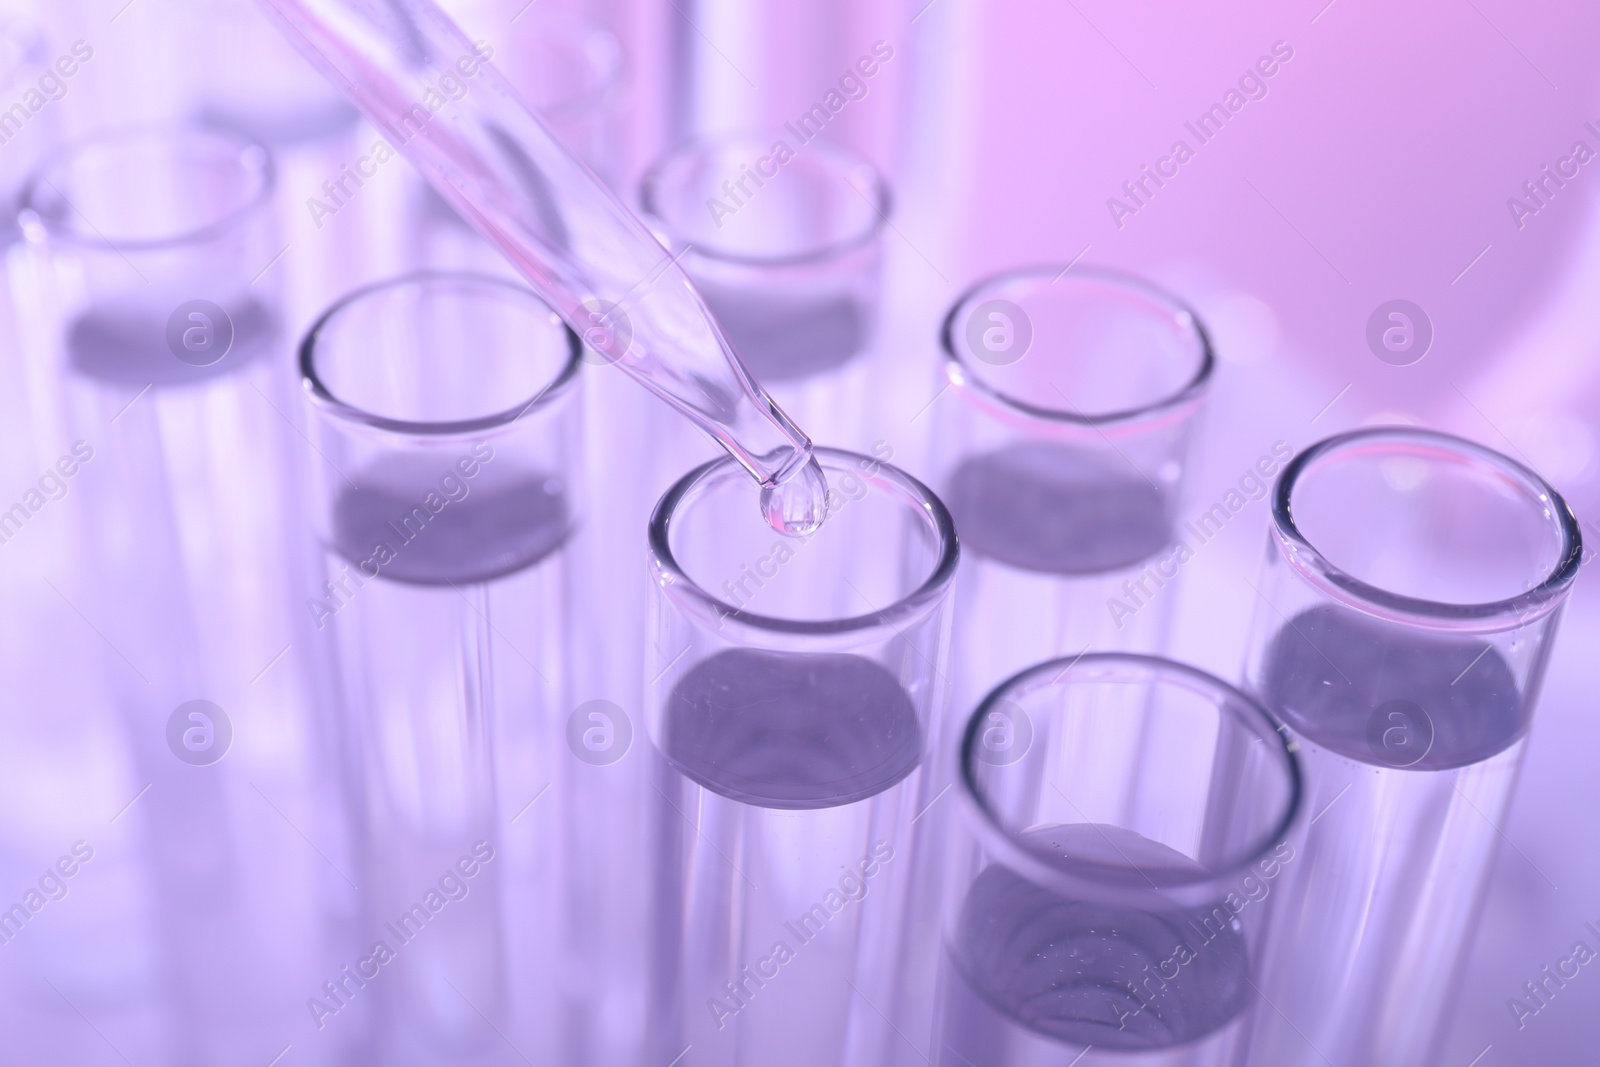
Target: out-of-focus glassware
(251, 80)
(785, 247)
(158, 371)
(1062, 453)
(32, 83)
(568, 68)
(571, 72)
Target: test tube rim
(881, 202)
(324, 399)
(1487, 617)
(926, 598)
(1000, 842)
(1172, 407)
(259, 201)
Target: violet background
(1378, 167)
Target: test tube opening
(509, 370)
(1072, 741)
(711, 553)
(420, 431)
(783, 245)
(1125, 819)
(149, 188)
(1471, 539)
(1079, 388)
(1079, 349)
(170, 229)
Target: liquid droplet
(797, 507)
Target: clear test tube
(250, 79)
(159, 237)
(26, 66)
(167, 360)
(568, 68)
(1104, 897)
(739, 67)
(446, 415)
(565, 66)
(1412, 589)
(29, 75)
(1062, 454)
(571, 71)
(797, 694)
(783, 239)
(158, 376)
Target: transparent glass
(251, 80)
(796, 698)
(28, 66)
(157, 374)
(412, 70)
(821, 67)
(1062, 454)
(568, 68)
(165, 233)
(1413, 584)
(446, 423)
(1123, 819)
(786, 250)
(570, 71)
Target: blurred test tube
(253, 81)
(783, 239)
(570, 71)
(158, 371)
(1062, 453)
(737, 66)
(31, 78)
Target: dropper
(421, 80)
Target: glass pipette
(423, 82)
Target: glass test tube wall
(1103, 899)
(446, 417)
(797, 698)
(786, 249)
(250, 79)
(832, 64)
(170, 366)
(566, 67)
(1413, 587)
(570, 71)
(28, 64)
(164, 378)
(1062, 453)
